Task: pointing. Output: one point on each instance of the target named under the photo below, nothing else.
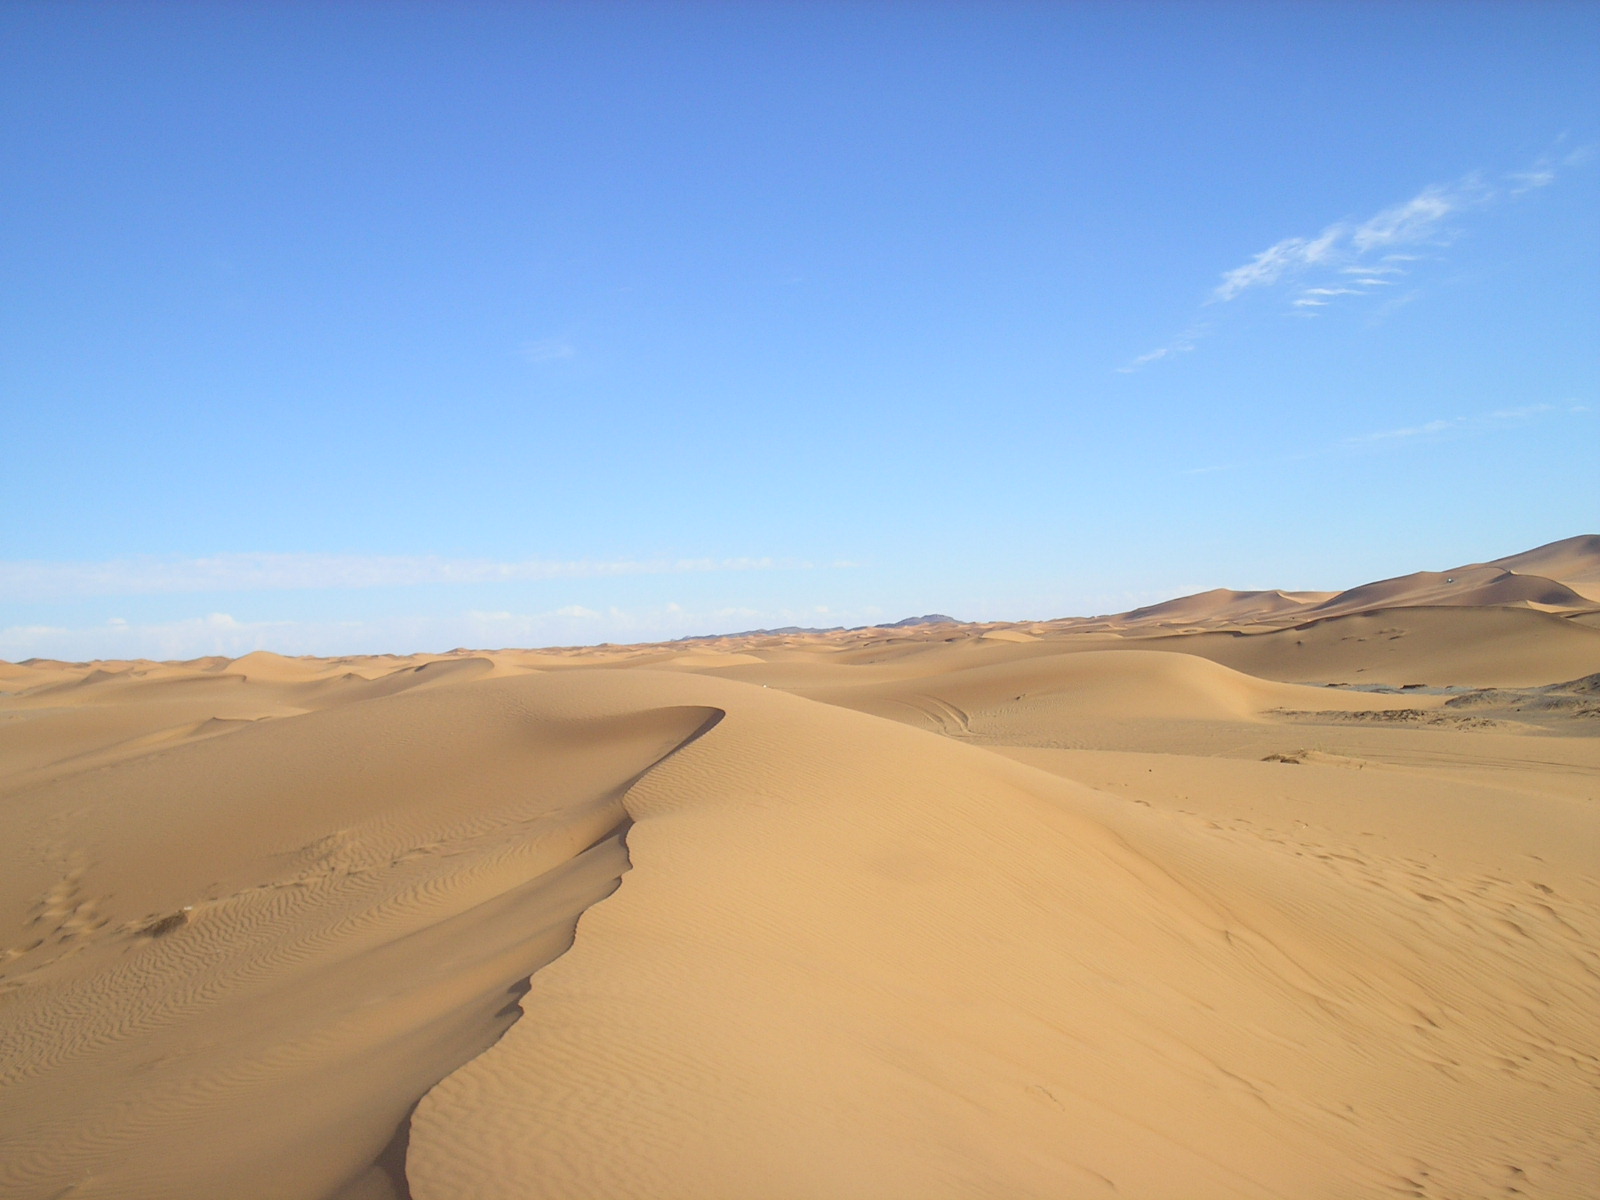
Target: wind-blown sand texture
(1133, 906)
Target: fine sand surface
(1248, 894)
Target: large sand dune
(1563, 576)
(1574, 561)
(1059, 909)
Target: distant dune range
(1246, 894)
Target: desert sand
(1247, 894)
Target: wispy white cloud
(1373, 253)
(1272, 264)
(1318, 297)
(1527, 181)
(1419, 219)
(32, 580)
(1363, 248)
(1543, 172)
(1370, 277)
(1155, 355)
(1479, 423)
(1427, 429)
(1438, 429)
(1182, 344)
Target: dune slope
(241, 960)
(854, 959)
(1468, 647)
(1575, 561)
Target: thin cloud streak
(1435, 430)
(1273, 263)
(1482, 423)
(1418, 219)
(1182, 344)
(1373, 253)
(1350, 247)
(296, 572)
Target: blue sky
(339, 328)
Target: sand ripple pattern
(286, 1002)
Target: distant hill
(780, 631)
(793, 630)
(1559, 577)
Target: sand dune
(1477, 586)
(1301, 902)
(1048, 691)
(1563, 576)
(923, 974)
(275, 940)
(1221, 604)
(265, 667)
(1574, 561)
(1469, 647)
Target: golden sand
(1135, 906)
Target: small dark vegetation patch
(162, 926)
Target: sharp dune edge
(1248, 894)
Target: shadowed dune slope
(1221, 604)
(241, 960)
(1480, 586)
(95, 716)
(1437, 646)
(857, 960)
(1469, 647)
(263, 666)
(1574, 561)
(1561, 576)
(1054, 689)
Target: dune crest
(859, 960)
